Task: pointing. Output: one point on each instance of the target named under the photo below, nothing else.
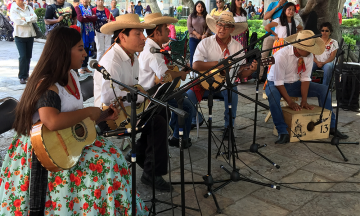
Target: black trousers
(154, 134)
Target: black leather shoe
(338, 134)
(139, 159)
(160, 183)
(22, 81)
(175, 143)
(282, 139)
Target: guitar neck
(104, 114)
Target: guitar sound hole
(79, 130)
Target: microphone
(95, 65)
(311, 125)
(162, 51)
(117, 132)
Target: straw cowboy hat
(227, 18)
(314, 45)
(123, 22)
(158, 19)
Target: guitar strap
(38, 187)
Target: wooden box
(298, 122)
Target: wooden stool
(282, 103)
(298, 122)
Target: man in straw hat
(154, 64)
(123, 65)
(290, 77)
(210, 50)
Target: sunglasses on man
(325, 31)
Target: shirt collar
(121, 52)
(292, 51)
(214, 40)
(152, 43)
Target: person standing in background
(36, 5)
(44, 5)
(131, 8)
(23, 17)
(161, 7)
(103, 41)
(139, 10)
(114, 11)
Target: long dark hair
(233, 9)
(284, 21)
(194, 13)
(52, 67)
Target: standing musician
(290, 77)
(122, 65)
(53, 96)
(154, 64)
(210, 50)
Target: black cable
(192, 177)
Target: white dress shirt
(209, 50)
(151, 65)
(23, 28)
(118, 64)
(281, 30)
(286, 67)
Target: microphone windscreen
(92, 63)
(153, 50)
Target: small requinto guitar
(168, 77)
(61, 149)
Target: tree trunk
(154, 6)
(327, 11)
(189, 4)
(341, 6)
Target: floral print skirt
(99, 184)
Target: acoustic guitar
(124, 113)
(220, 77)
(61, 149)
(168, 77)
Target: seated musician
(122, 65)
(152, 65)
(290, 77)
(53, 96)
(210, 50)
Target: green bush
(348, 40)
(179, 8)
(180, 29)
(351, 22)
(182, 22)
(40, 13)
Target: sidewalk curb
(39, 40)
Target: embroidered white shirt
(150, 65)
(118, 64)
(286, 67)
(329, 48)
(23, 28)
(209, 50)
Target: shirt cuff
(279, 83)
(305, 79)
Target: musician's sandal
(160, 183)
(175, 143)
(338, 134)
(282, 139)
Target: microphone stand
(335, 140)
(132, 97)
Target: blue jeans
(85, 62)
(24, 46)
(187, 107)
(294, 90)
(224, 94)
(327, 68)
(193, 42)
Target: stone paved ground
(298, 163)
